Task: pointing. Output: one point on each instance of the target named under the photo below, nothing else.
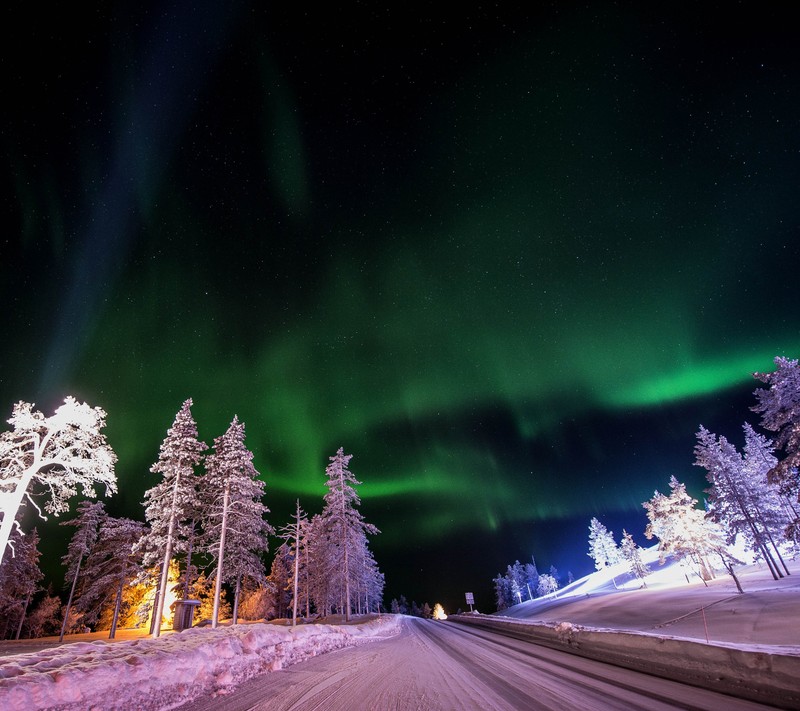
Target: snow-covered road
(435, 666)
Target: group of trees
(325, 563)
(753, 499)
(524, 582)
(205, 528)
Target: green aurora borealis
(508, 262)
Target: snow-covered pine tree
(235, 529)
(343, 525)
(89, 519)
(685, 532)
(173, 501)
(547, 584)
(280, 576)
(111, 564)
(61, 453)
(602, 548)
(631, 553)
(19, 581)
(775, 510)
(292, 534)
(735, 492)
(779, 406)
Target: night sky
(510, 259)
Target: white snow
(166, 672)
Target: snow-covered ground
(167, 672)
(671, 606)
(143, 673)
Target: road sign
(470, 599)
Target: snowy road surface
(433, 666)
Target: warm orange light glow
(438, 612)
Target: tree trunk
(117, 603)
(236, 599)
(69, 600)
(22, 617)
(186, 580)
(220, 555)
(162, 590)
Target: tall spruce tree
(173, 501)
(343, 525)
(235, 529)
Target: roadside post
(470, 601)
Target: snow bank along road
(156, 674)
(438, 666)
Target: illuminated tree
(172, 502)
(438, 612)
(235, 529)
(602, 548)
(60, 453)
(87, 526)
(547, 584)
(685, 532)
(631, 553)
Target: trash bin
(183, 614)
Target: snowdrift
(154, 674)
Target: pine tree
(234, 524)
(112, 563)
(279, 579)
(293, 536)
(19, 581)
(631, 553)
(87, 526)
(602, 548)
(779, 406)
(685, 532)
(343, 526)
(547, 584)
(739, 492)
(61, 453)
(173, 501)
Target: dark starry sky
(510, 258)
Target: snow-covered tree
(779, 406)
(547, 584)
(740, 498)
(293, 535)
(280, 577)
(342, 526)
(60, 454)
(111, 564)
(602, 548)
(87, 523)
(235, 528)
(44, 619)
(19, 581)
(631, 553)
(685, 532)
(438, 612)
(173, 500)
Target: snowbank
(155, 674)
(758, 672)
